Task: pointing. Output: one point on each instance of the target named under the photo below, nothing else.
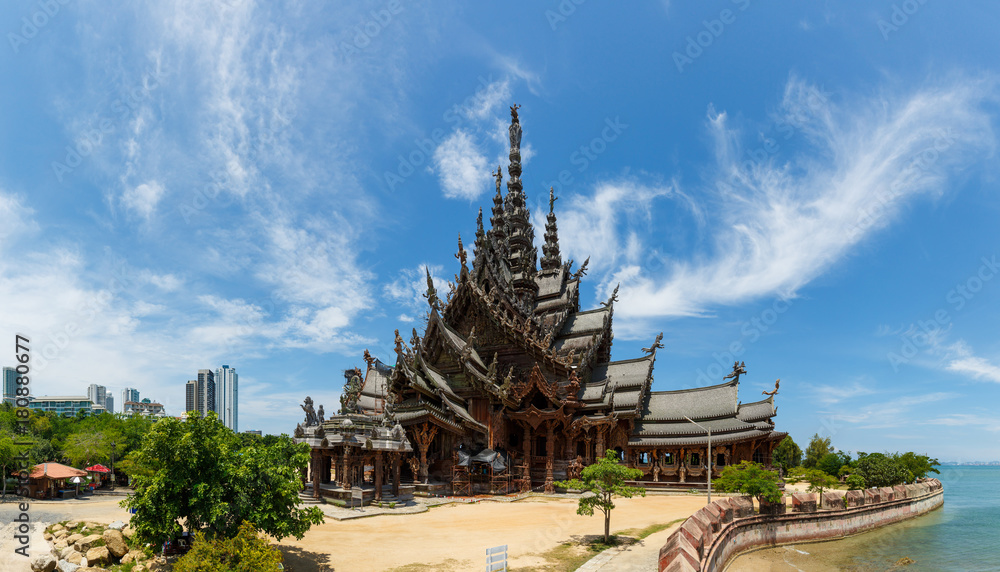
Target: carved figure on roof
(570, 358)
(320, 415)
(399, 342)
(613, 298)
(415, 340)
(738, 370)
(514, 129)
(311, 418)
(775, 392)
(552, 199)
(461, 255)
(583, 270)
(351, 393)
(657, 345)
(508, 382)
(574, 385)
(369, 360)
(431, 294)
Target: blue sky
(811, 186)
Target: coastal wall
(716, 534)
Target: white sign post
(496, 558)
(358, 494)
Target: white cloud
(143, 198)
(962, 360)
(777, 226)
(461, 166)
(409, 287)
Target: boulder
(75, 557)
(98, 555)
(72, 524)
(133, 556)
(47, 535)
(61, 533)
(65, 566)
(43, 563)
(115, 542)
(73, 538)
(56, 528)
(66, 552)
(128, 531)
(60, 544)
(87, 542)
(117, 525)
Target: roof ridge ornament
(431, 294)
(775, 392)
(614, 298)
(657, 344)
(738, 370)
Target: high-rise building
(9, 385)
(109, 403)
(98, 394)
(227, 396)
(206, 391)
(129, 394)
(191, 396)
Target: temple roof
(700, 403)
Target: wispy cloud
(775, 226)
(461, 167)
(409, 288)
(962, 360)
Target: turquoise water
(963, 535)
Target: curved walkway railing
(716, 534)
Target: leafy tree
(86, 448)
(817, 448)
(818, 481)
(196, 470)
(918, 465)
(832, 462)
(879, 470)
(751, 479)
(8, 454)
(605, 478)
(855, 482)
(787, 454)
(245, 552)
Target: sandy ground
(455, 537)
(782, 559)
(451, 537)
(100, 509)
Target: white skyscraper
(129, 395)
(98, 394)
(227, 396)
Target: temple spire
(521, 235)
(551, 261)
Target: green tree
(832, 462)
(880, 470)
(245, 552)
(196, 470)
(818, 481)
(818, 447)
(787, 454)
(86, 448)
(751, 479)
(605, 478)
(919, 466)
(855, 482)
(8, 454)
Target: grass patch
(569, 556)
(642, 533)
(448, 565)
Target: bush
(879, 470)
(750, 479)
(855, 482)
(245, 552)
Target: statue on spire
(552, 200)
(461, 255)
(431, 295)
(515, 130)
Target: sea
(963, 535)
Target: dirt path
(455, 537)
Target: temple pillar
(424, 436)
(588, 454)
(345, 479)
(378, 476)
(314, 470)
(601, 448)
(397, 460)
(550, 453)
(527, 458)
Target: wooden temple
(511, 368)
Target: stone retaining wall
(716, 534)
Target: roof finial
(552, 199)
(461, 255)
(431, 295)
